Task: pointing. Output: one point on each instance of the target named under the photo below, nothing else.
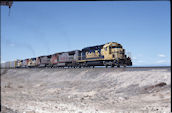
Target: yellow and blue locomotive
(109, 54)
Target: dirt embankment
(96, 90)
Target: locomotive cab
(117, 51)
(112, 50)
(115, 54)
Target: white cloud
(161, 55)
(161, 61)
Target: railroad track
(168, 68)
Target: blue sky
(43, 28)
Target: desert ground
(86, 90)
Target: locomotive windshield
(118, 46)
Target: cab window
(105, 48)
(116, 46)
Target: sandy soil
(96, 90)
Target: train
(109, 54)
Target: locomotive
(109, 54)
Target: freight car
(13, 64)
(7, 65)
(3, 65)
(109, 54)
